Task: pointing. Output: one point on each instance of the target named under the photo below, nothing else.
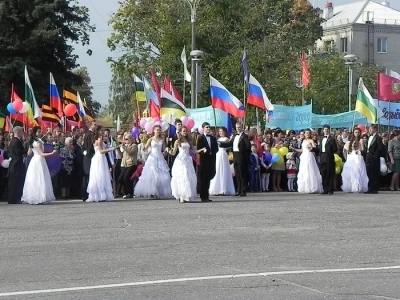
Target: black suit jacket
(207, 159)
(376, 148)
(89, 148)
(244, 146)
(328, 156)
(16, 151)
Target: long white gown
(38, 188)
(354, 174)
(309, 180)
(155, 180)
(184, 179)
(222, 183)
(99, 187)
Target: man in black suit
(327, 150)
(171, 142)
(16, 175)
(241, 148)
(207, 168)
(374, 151)
(88, 152)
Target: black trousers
(240, 164)
(372, 164)
(327, 170)
(125, 179)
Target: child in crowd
(265, 167)
(254, 170)
(290, 171)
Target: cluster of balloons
(70, 110)
(278, 154)
(148, 124)
(18, 107)
(338, 164)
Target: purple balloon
(54, 162)
(267, 157)
(148, 127)
(135, 132)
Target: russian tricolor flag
(221, 98)
(257, 96)
(55, 99)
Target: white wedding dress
(309, 180)
(354, 174)
(184, 179)
(155, 180)
(99, 186)
(222, 183)
(38, 188)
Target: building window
(328, 46)
(343, 45)
(382, 45)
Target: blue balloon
(275, 158)
(11, 109)
(172, 130)
(267, 157)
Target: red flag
(154, 110)
(388, 88)
(170, 88)
(8, 127)
(305, 75)
(155, 83)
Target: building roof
(358, 12)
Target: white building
(365, 28)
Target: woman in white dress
(184, 179)
(354, 174)
(99, 187)
(222, 183)
(155, 180)
(309, 180)
(38, 188)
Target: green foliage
(85, 90)
(273, 32)
(329, 85)
(40, 34)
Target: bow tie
(326, 136)
(208, 135)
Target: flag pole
(215, 120)
(258, 127)
(244, 101)
(184, 85)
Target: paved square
(265, 246)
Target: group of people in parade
(98, 167)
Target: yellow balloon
(274, 151)
(283, 151)
(280, 161)
(338, 169)
(337, 158)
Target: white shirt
(323, 144)
(236, 142)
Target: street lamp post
(193, 8)
(350, 61)
(196, 56)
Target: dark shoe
(237, 194)
(373, 192)
(324, 193)
(367, 192)
(243, 195)
(206, 200)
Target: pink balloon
(17, 105)
(148, 127)
(361, 127)
(184, 120)
(200, 130)
(1, 159)
(190, 124)
(142, 123)
(156, 119)
(157, 123)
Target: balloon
(280, 161)
(135, 132)
(384, 168)
(158, 123)
(148, 127)
(190, 124)
(142, 123)
(164, 117)
(17, 105)
(164, 126)
(184, 121)
(172, 130)
(70, 110)
(337, 158)
(25, 108)
(156, 119)
(200, 130)
(275, 158)
(6, 163)
(1, 159)
(338, 169)
(274, 151)
(382, 160)
(267, 157)
(361, 127)
(283, 151)
(11, 109)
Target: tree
(274, 32)
(85, 90)
(329, 83)
(40, 34)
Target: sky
(99, 70)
